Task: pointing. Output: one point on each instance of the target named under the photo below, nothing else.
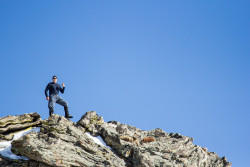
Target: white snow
(5, 147)
(98, 140)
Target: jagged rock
(62, 143)
(7, 136)
(151, 148)
(10, 124)
(5, 162)
(92, 122)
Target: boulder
(11, 124)
(62, 143)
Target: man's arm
(62, 89)
(46, 90)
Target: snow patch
(5, 147)
(98, 140)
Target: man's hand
(63, 85)
(47, 98)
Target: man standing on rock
(54, 97)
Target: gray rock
(151, 148)
(5, 162)
(62, 143)
(11, 124)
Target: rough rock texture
(10, 124)
(63, 143)
(150, 148)
(5, 162)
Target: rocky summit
(63, 143)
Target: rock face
(4, 162)
(62, 143)
(11, 124)
(150, 148)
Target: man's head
(54, 78)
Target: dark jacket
(53, 88)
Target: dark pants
(56, 99)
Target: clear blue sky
(182, 66)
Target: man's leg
(65, 104)
(51, 104)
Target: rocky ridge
(62, 143)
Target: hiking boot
(69, 116)
(67, 113)
(51, 113)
